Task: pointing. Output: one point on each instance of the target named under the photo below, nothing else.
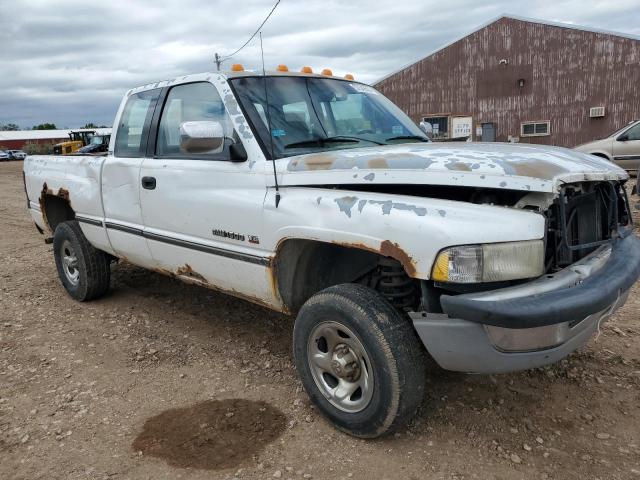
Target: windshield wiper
(320, 141)
(408, 137)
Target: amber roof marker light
(327, 72)
(306, 70)
(348, 76)
(237, 67)
(282, 68)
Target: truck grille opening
(582, 218)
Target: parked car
(16, 154)
(316, 196)
(4, 156)
(621, 147)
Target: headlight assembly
(490, 262)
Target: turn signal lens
(306, 70)
(237, 67)
(282, 68)
(327, 72)
(348, 76)
(491, 262)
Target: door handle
(149, 183)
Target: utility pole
(218, 61)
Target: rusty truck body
(316, 196)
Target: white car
(4, 156)
(316, 196)
(17, 154)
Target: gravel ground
(164, 380)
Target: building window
(439, 125)
(535, 129)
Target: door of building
(488, 132)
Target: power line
(219, 59)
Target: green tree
(9, 127)
(90, 125)
(45, 126)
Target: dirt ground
(162, 380)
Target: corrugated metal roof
(46, 134)
(521, 19)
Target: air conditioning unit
(595, 112)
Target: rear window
(133, 129)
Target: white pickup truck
(316, 196)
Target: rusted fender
(410, 229)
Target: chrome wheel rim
(340, 367)
(69, 263)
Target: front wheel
(83, 269)
(359, 360)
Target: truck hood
(486, 165)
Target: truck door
(121, 179)
(626, 148)
(202, 211)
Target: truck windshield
(309, 114)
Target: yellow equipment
(77, 140)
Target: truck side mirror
(201, 137)
(623, 138)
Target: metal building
(518, 79)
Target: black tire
(92, 267)
(393, 349)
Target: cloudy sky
(69, 61)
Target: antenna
(266, 96)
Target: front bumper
(533, 324)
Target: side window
(133, 129)
(193, 102)
(634, 132)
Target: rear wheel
(83, 269)
(359, 360)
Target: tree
(45, 126)
(9, 127)
(90, 125)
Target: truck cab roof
(207, 76)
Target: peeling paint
(550, 164)
(443, 213)
(388, 205)
(346, 204)
(187, 271)
(231, 104)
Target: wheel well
(302, 268)
(601, 155)
(55, 209)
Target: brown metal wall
(566, 71)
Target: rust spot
(458, 166)
(63, 193)
(187, 271)
(318, 162)
(378, 163)
(535, 168)
(389, 249)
